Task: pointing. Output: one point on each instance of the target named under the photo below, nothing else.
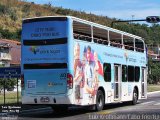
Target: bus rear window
(46, 66)
(45, 42)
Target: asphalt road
(148, 109)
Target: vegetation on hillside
(13, 11)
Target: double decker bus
(68, 61)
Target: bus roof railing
(104, 27)
(106, 42)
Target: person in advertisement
(78, 73)
(86, 74)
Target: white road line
(157, 104)
(144, 103)
(153, 92)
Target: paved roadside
(153, 92)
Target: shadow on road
(71, 112)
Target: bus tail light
(22, 81)
(69, 81)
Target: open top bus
(69, 61)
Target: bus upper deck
(93, 32)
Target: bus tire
(135, 97)
(99, 101)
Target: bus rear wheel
(135, 97)
(99, 101)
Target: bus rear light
(22, 81)
(69, 81)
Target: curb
(153, 92)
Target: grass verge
(152, 88)
(11, 97)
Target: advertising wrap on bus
(44, 42)
(44, 57)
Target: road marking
(153, 92)
(157, 104)
(147, 102)
(104, 112)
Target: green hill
(13, 11)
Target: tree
(154, 76)
(9, 83)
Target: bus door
(144, 83)
(117, 82)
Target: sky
(120, 9)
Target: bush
(26, 8)
(5, 33)
(13, 15)
(154, 76)
(3, 9)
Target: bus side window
(137, 73)
(107, 72)
(131, 74)
(129, 46)
(115, 39)
(124, 73)
(100, 35)
(139, 45)
(82, 31)
(116, 44)
(128, 42)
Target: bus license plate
(44, 99)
